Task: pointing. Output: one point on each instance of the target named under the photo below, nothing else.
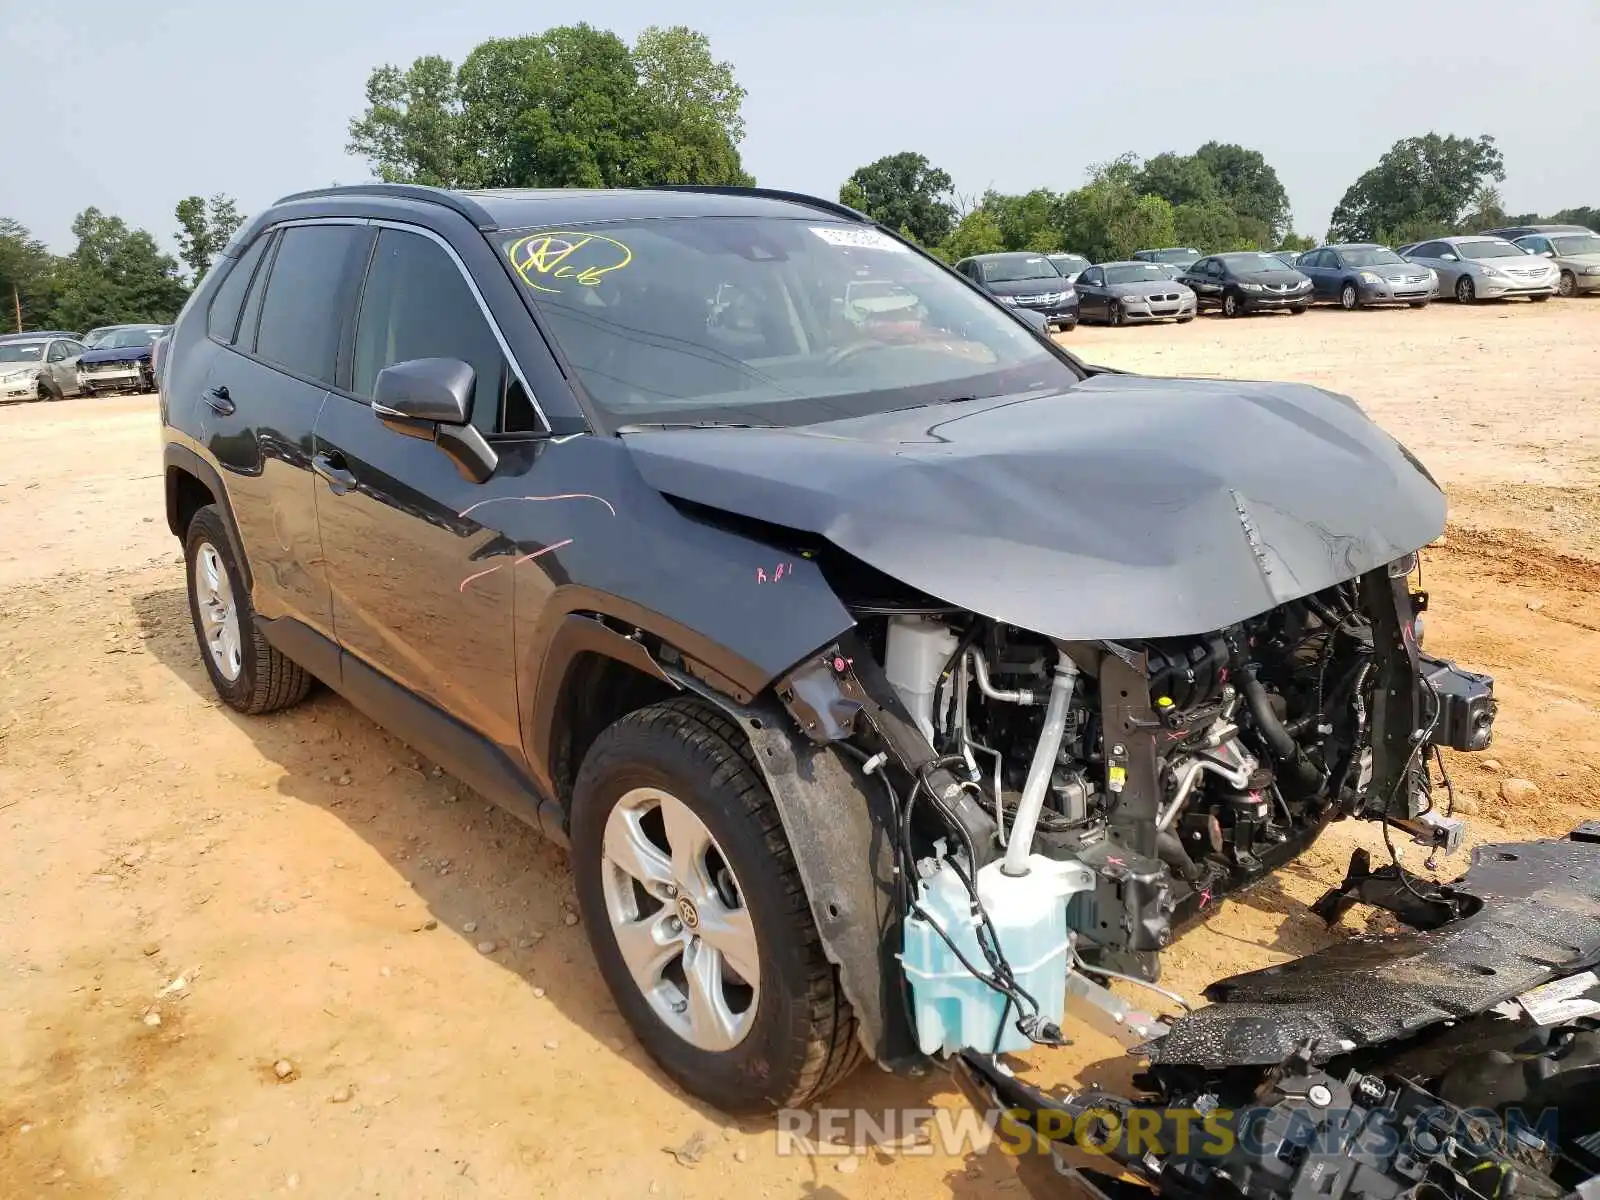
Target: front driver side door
(1092, 294)
(419, 592)
(61, 364)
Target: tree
(1027, 222)
(1298, 242)
(574, 106)
(977, 233)
(905, 191)
(1250, 185)
(1179, 179)
(1422, 184)
(29, 279)
(1488, 211)
(116, 274)
(204, 229)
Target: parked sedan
(1120, 293)
(121, 362)
(38, 368)
(1483, 268)
(1182, 256)
(37, 334)
(1070, 265)
(1246, 282)
(1363, 273)
(1027, 281)
(1576, 253)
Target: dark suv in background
(1025, 280)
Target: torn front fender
(1539, 918)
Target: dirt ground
(188, 897)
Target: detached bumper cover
(1540, 919)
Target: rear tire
(1466, 291)
(671, 792)
(247, 673)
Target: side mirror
(1035, 318)
(1548, 253)
(1448, 257)
(431, 399)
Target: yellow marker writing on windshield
(543, 259)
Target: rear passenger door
(417, 590)
(281, 316)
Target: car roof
(1457, 239)
(517, 208)
(1356, 246)
(1132, 262)
(990, 257)
(1525, 230)
(42, 335)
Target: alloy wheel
(1349, 297)
(1466, 293)
(678, 916)
(1568, 285)
(219, 614)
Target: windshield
(92, 338)
(127, 339)
(1182, 257)
(1577, 243)
(1373, 258)
(1014, 267)
(767, 321)
(1253, 262)
(1138, 273)
(21, 352)
(1488, 248)
(1069, 264)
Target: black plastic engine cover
(1540, 919)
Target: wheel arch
(192, 483)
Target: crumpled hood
(131, 354)
(1124, 507)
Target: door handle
(335, 471)
(218, 400)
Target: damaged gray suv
(895, 678)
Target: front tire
(247, 673)
(1540, 299)
(1232, 306)
(1349, 298)
(1419, 304)
(1296, 310)
(1114, 313)
(698, 917)
(1568, 287)
(1466, 292)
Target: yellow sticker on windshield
(545, 260)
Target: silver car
(1576, 254)
(1484, 268)
(42, 369)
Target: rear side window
(223, 321)
(417, 305)
(307, 298)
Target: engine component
(1020, 846)
(916, 652)
(954, 1008)
(1466, 704)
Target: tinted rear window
(304, 309)
(223, 323)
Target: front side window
(1094, 277)
(303, 312)
(417, 305)
(767, 321)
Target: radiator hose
(1291, 759)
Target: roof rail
(827, 206)
(469, 209)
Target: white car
(41, 369)
(1486, 268)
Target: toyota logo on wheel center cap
(687, 912)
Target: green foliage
(977, 233)
(1249, 184)
(116, 274)
(1298, 242)
(574, 106)
(1422, 184)
(204, 228)
(27, 277)
(1027, 222)
(903, 191)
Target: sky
(132, 107)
